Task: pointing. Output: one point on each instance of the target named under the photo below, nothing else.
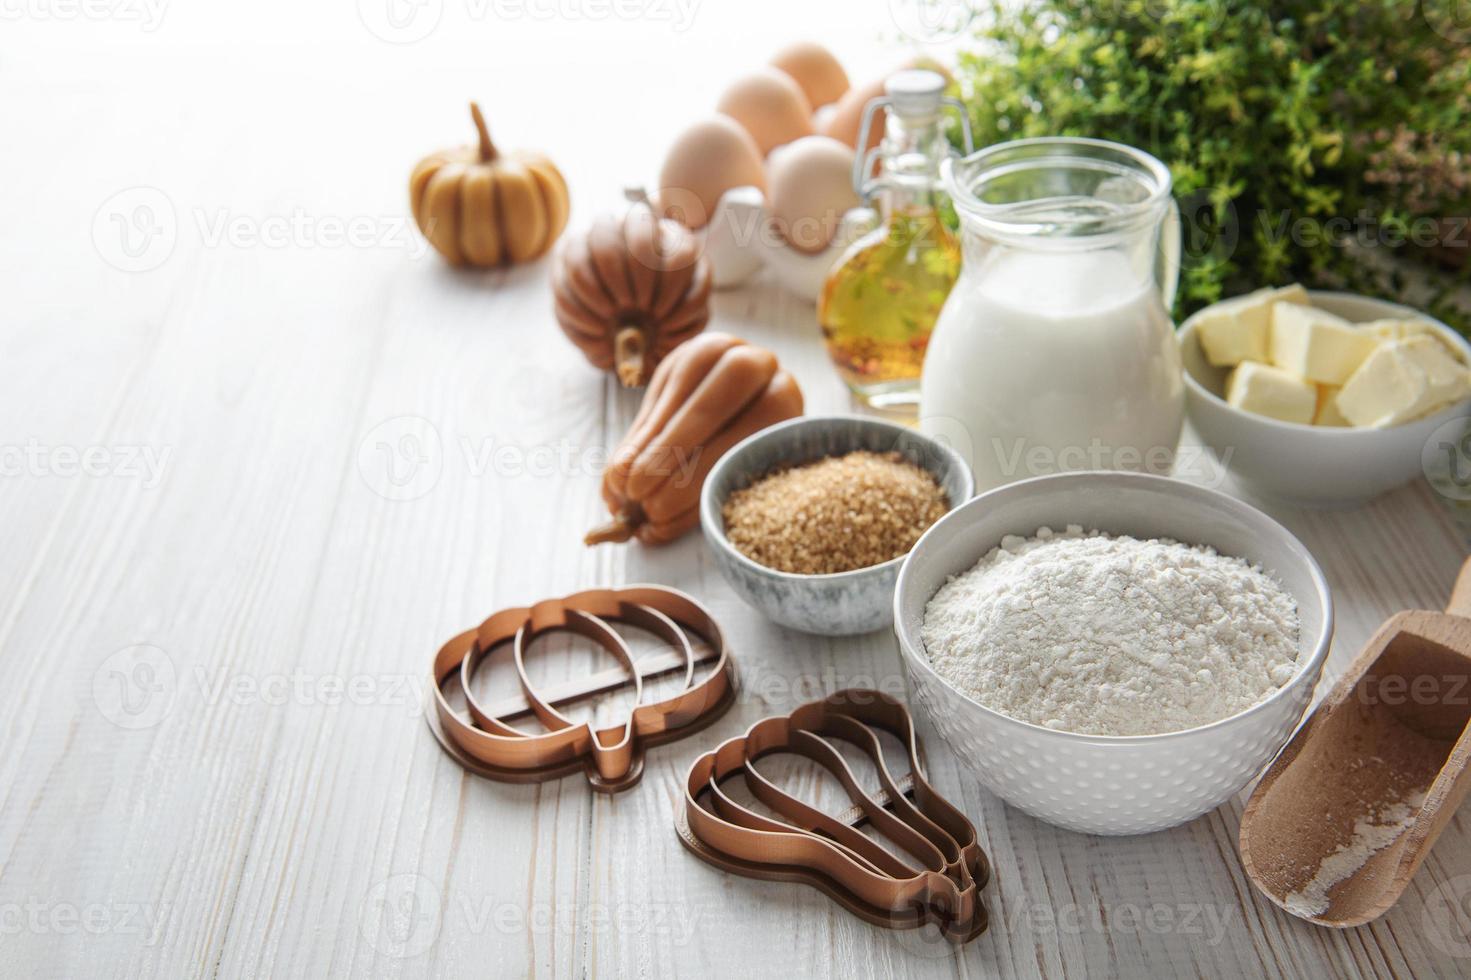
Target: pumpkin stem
(487, 148)
(637, 195)
(629, 347)
(620, 528)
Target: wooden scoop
(1337, 827)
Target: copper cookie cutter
(612, 757)
(949, 869)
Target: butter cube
(1269, 391)
(1404, 330)
(1449, 379)
(1316, 345)
(1404, 380)
(1328, 413)
(1237, 330)
(1398, 329)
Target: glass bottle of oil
(879, 303)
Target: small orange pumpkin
(482, 209)
(631, 290)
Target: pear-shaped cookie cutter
(612, 757)
(947, 870)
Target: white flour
(1112, 635)
(1372, 834)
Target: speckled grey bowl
(845, 603)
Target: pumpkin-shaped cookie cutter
(612, 757)
(947, 868)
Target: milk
(1045, 361)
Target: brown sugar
(834, 515)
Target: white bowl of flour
(1114, 653)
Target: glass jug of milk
(1055, 350)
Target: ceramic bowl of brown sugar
(809, 520)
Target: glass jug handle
(959, 107)
(864, 185)
(1167, 261)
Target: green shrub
(1308, 141)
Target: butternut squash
(704, 398)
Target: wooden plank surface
(311, 462)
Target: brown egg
(706, 160)
(811, 183)
(815, 70)
(843, 124)
(770, 106)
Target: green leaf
(1303, 108)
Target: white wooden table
(218, 601)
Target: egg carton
(742, 238)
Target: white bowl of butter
(1321, 398)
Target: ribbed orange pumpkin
(631, 290)
(480, 208)
(704, 398)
